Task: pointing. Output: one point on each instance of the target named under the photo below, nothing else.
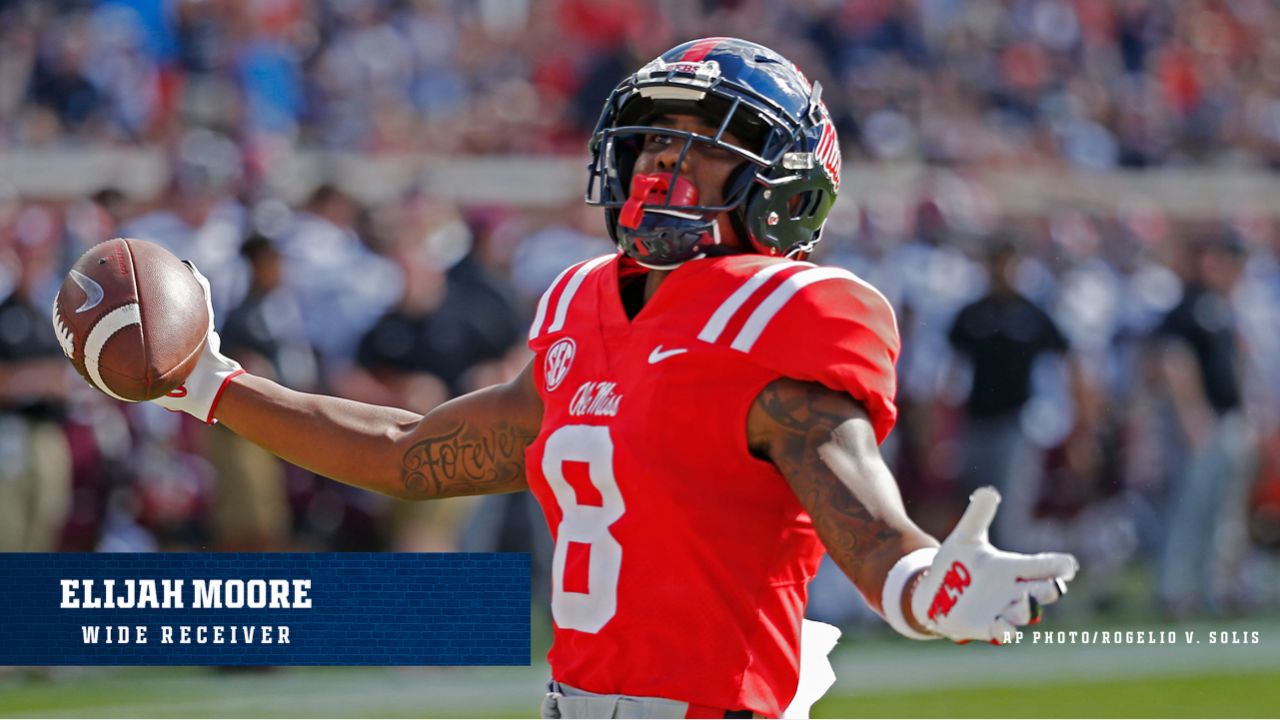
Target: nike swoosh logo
(658, 354)
(92, 291)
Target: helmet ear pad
(789, 215)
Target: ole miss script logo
(828, 152)
(953, 585)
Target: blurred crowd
(1087, 83)
(1116, 373)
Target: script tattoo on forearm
(465, 462)
(802, 418)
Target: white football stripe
(60, 329)
(575, 282)
(110, 324)
(759, 319)
(720, 319)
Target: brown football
(131, 318)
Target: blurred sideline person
(1002, 334)
(323, 252)
(1199, 357)
(453, 323)
(250, 511)
(701, 417)
(201, 218)
(35, 475)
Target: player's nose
(674, 158)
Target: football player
(700, 421)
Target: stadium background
(380, 189)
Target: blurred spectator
(35, 471)
(400, 360)
(1002, 334)
(453, 318)
(1199, 356)
(270, 74)
(58, 82)
(201, 219)
(571, 233)
(264, 334)
(450, 333)
(341, 286)
(93, 220)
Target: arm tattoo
(467, 462)
(799, 418)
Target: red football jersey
(681, 561)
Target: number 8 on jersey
(588, 506)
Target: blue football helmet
(778, 198)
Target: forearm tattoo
(799, 418)
(464, 461)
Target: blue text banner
(264, 609)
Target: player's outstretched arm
(472, 445)
(822, 441)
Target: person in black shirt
(1198, 353)
(264, 334)
(447, 325)
(452, 331)
(35, 476)
(1002, 334)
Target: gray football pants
(563, 701)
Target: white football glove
(198, 395)
(972, 591)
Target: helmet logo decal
(558, 361)
(828, 152)
(681, 80)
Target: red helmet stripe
(700, 49)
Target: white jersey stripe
(759, 319)
(720, 318)
(541, 315)
(575, 282)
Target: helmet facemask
(675, 224)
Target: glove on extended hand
(198, 395)
(972, 591)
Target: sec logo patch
(558, 361)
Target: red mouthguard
(651, 189)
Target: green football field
(879, 677)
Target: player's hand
(198, 395)
(973, 591)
